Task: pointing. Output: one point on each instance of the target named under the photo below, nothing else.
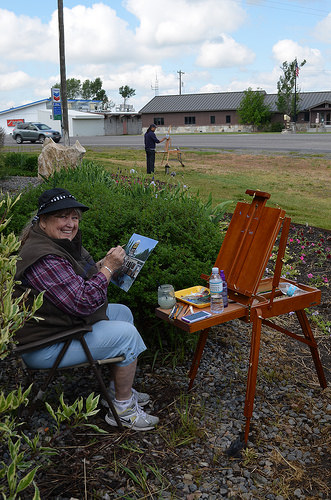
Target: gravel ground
(186, 457)
(18, 183)
(288, 454)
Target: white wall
(28, 114)
(86, 126)
(80, 123)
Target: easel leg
(303, 320)
(252, 370)
(197, 356)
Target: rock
(53, 157)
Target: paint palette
(198, 296)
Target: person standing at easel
(150, 144)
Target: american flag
(296, 69)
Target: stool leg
(197, 356)
(103, 388)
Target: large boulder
(54, 156)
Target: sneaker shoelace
(138, 409)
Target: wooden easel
(167, 152)
(243, 256)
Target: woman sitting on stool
(53, 260)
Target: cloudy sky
(219, 45)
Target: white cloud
(322, 30)
(14, 80)
(24, 38)
(288, 50)
(224, 54)
(97, 34)
(183, 22)
(143, 80)
(149, 39)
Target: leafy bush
(17, 472)
(276, 127)
(186, 229)
(19, 164)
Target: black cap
(57, 199)
(153, 125)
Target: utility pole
(64, 101)
(180, 81)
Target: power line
(286, 7)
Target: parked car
(34, 131)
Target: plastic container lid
(215, 270)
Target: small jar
(166, 296)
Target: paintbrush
(178, 311)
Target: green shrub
(276, 127)
(31, 164)
(14, 160)
(18, 471)
(189, 239)
(19, 164)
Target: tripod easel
(168, 151)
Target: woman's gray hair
(35, 220)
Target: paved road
(258, 143)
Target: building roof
(307, 101)
(23, 106)
(48, 100)
(222, 101)
(193, 102)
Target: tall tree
(288, 93)
(73, 88)
(89, 89)
(98, 93)
(252, 109)
(126, 92)
(86, 89)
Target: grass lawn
(299, 184)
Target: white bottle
(216, 288)
(289, 289)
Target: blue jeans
(107, 339)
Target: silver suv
(34, 131)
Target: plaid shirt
(66, 289)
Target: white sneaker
(142, 398)
(134, 418)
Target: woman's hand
(114, 258)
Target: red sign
(13, 123)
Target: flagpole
(295, 91)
